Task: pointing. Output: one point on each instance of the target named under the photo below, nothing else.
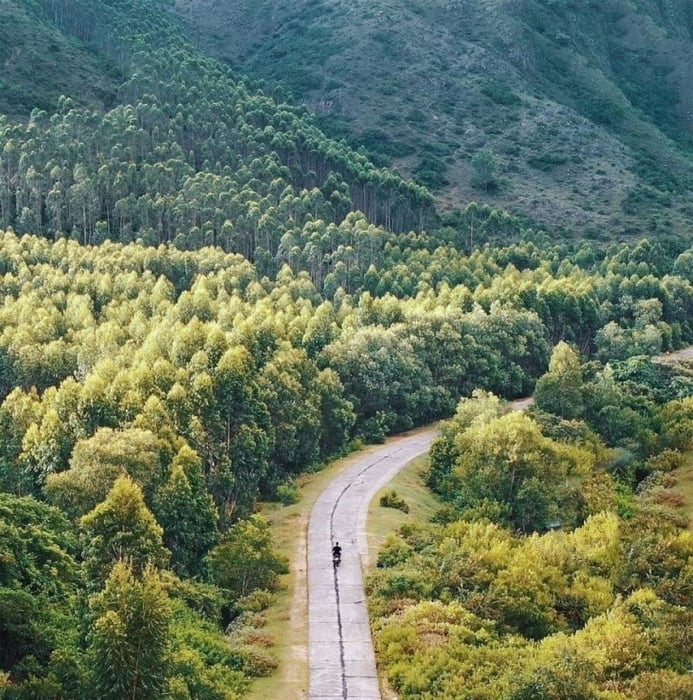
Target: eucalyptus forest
(205, 296)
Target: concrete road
(340, 648)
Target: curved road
(340, 648)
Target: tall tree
(129, 636)
(121, 528)
(560, 390)
(186, 512)
(98, 461)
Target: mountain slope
(39, 63)
(191, 154)
(576, 114)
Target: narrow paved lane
(340, 649)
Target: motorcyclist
(336, 553)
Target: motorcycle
(336, 556)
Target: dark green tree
(186, 512)
(484, 168)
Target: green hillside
(578, 115)
(191, 153)
(39, 62)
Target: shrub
(672, 499)
(254, 602)
(287, 493)
(500, 93)
(666, 461)
(407, 583)
(252, 661)
(431, 172)
(395, 551)
(392, 500)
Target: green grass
(287, 618)
(382, 522)
(409, 485)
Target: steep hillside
(576, 114)
(39, 63)
(191, 154)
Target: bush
(431, 172)
(287, 493)
(373, 430)
(392, 500)
(670, 499)
(253, 661)
(446, 514)
(254, 602)
(547, 161)
(409, 583)
(500, 93)
(666, 461)
(394, 552)
(194, 678)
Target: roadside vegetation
(559, 566)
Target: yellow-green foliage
(467, 609)
(472, 635)
(392, 500)
(505, 465)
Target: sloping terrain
(204, 297)
(578, 115)
(39, 63)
